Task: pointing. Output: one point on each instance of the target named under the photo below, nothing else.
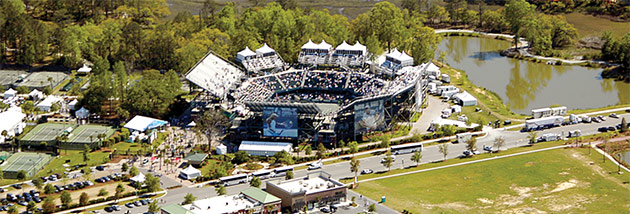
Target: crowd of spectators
(292, 79)
(262, 63)
(325, 80)
(310, 96)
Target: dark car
(109, 209)
(106, 178)
(37, 199)
(612, 129)
(17, 186)
(100, 168)
(23, 203)
(144, 202)
(602, 129)
(1, 190)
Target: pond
(525, 85)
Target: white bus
(406, 148)
(264, 174)
(234, 179)
(282, 171)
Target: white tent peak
(84, 69)
(264, 49)
(246, 52)
(139, 178)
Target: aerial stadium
(332, 94)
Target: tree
(84, 199)
(86, 153)
(119, 191)
(308, 150)
(532, 137)
(353, 147)
(417, 157)
(388, 160)
(321, 151)
(471, 144)
(385, 143)
(153, 207)
(212, 123)
(443, 148)
(387, 20)
(289, 175)
(240, 157)
(372, 208)
(31, 206)
(354, 167)
(624, 125)
(66, 199)
(49, 189)
(152, 182)
(124, 167)
(189, 198)
(133, 171)
(499, 142)
(48, 206)
(13, 210)
(38, 183)
(220, 190)
(21, 175)
(103, 192)
(255, 182)
(516, 12)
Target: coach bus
(234, 179)
(281, 171)
(406, 148)
(263, 174)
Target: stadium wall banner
(369, 117)
(280, 122)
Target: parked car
(116, 207)
(613, 115)
(109, 209)
(23, 203)
(602, 118)
(37, 199)
(487, 148)
(17, 186)
(144, 202)
(324, 210)
(467, 153)
(393, 159)
(100, 168)
(612, 129)
(597, 120)
(367, 171)
(602, 129)
(137, 203)
(130, 205)
(106, 179)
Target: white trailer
(541, 112)
(545, 122)
(444, 88)
(575, 133)
(446, 78)
(549, 137)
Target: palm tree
(417, 157)
(354, 167)
(533, 137)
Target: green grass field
(556, 181)
(588, 25)
(71, 157)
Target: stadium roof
(142, 123)
(207, 71)
(305, 108)
(246, 52)
(264, 49)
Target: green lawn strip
(588, 25)
(489, 101)
(458, 160)
(584, 111)
(500, 181)
(337, 161)
(475, 117)
(209, 167)
(75, 157)
(126, 146)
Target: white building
(465, 99)
(261, 148)
(46, 104)
(12, 123)
(252, 200)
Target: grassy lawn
(560, 180)
(71, 157)
(488, 100)
(588, 25)
(126, 146)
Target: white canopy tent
(46, 104)
(36, 94)
(189, 173)
(324, 46)
(9, 93)
(82, 113)
(432, 69)
(142, 123)
(310, 45)
(84, 69)
(12, 122)
(265, 50)
(400, 58)
(465, 99)
(245, 54)
(138, 178)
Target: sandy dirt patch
(485, 201)
(565, 185)
(451, 206)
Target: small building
(251, 200)
(559, 111)
(465, 99)
(142, 123)
(262, 148)
(196, 159)
(12, 123)
(221, 149)
(46, 104)
(9, 93)
(315, 190)
(189, 173)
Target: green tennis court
(30, 162)
(46, 132)
(82, 133)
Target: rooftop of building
(312, 183)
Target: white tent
(324, 46)
(9, 93)
(400, 57)
(142, 123)
(432, 69)
(84, 69)
(192, 124)
(138, 178)
(72, 104)
(245, 54)
(465, 99)
(12, 122)
(36, 94)
(265, 50)
(46, 104)
(82, 113)
(359, 47)
(310, 46)
(189, 173)
(344, 46)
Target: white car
(393, 158)
(367, 171)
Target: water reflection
(526, 85)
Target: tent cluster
(395, 60)
(263, 59)
(323, 54)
